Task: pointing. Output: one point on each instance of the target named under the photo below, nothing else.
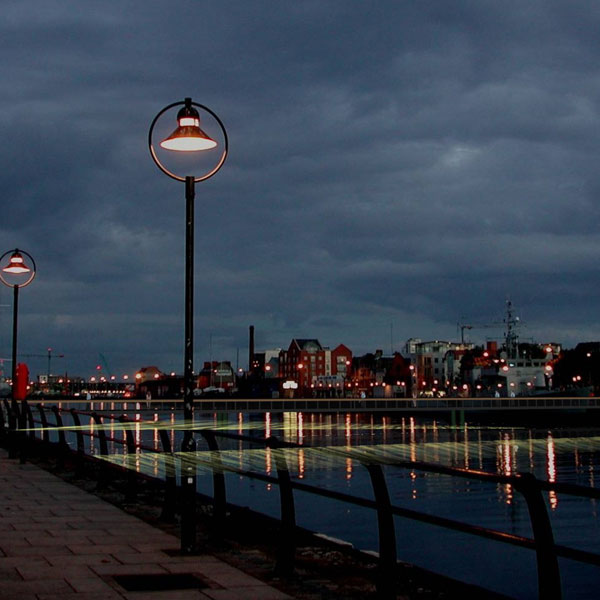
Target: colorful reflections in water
(466, 446)
(338, 442)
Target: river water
(334, 442)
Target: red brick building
(311, 365)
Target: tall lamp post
(188, 138)
(16, 274)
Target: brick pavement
(60, 542)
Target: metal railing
(19, 427)
(444, 404)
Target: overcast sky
(395, 167)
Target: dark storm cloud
(392, 165)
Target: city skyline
(50, 362)
(394, 170)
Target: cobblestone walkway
(59, 542)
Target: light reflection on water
(335, 442)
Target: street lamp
(188, 139)
(16, 274)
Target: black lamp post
(16, 274)
(187, 138)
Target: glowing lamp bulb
(188, 137)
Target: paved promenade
(59, 542)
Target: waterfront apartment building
(312, 366)
(430, 364)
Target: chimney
(251, 351)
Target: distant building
(217, 376)
(313, 366)
(429, 362)
(374, 374)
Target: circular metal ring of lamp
(169, 172)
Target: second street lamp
(16, 274)
(188, 138)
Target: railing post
(62, 446)
(287, 539)
(44, 420)
(130, 459)
(80, 442)
(15, 409)
(188, 493)
(78, 432)
(103, 469)
(3, 425)
(219, 491)
(22, 433)
(62, 440)
(30, 421)
(168, 510)
(12, 430)
(386, 577)
(7, 414)
(549, 587)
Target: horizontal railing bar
(591, 558)
(571, 489)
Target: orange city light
(17, 264)
(188, 137)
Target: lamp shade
(16, 264)
(188, 137)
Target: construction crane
(464, 326)
(49, 355)
(105, 365)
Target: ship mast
(511, 339)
